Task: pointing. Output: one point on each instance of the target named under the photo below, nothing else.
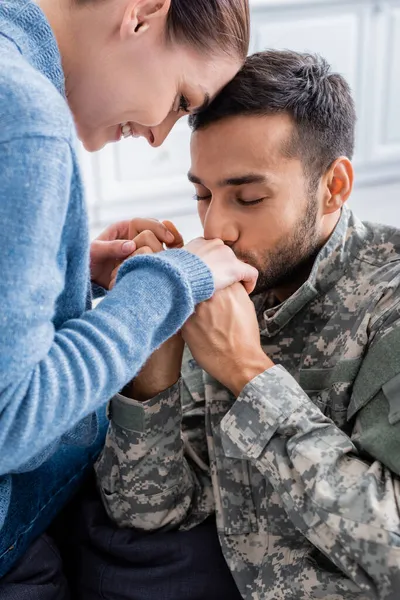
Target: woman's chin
(94, 143)
(94, 140)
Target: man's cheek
(202, 214)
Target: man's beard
(291, 260)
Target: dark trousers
(103, 562)
(107, 563)
(37, 576)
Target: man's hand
(117, 243)
(223, 264)
(224, 338)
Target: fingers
(224, 265)
(249, 278)
(118, 249)
(178, 239)
(138, 226)
(165, 232)
(147, 239)
(144, 250)
(113, 278)
(116, 231)
(200, 246)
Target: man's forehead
(253, 139)
(222, 162)
(276, 124)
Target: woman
(111, 68)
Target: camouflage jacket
(302, 469)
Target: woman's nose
(142, 131)
(161, 131)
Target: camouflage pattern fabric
(302, 469)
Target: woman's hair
(207, 25)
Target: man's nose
(218, 224)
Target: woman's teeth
(126, 130)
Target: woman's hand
(222, 262)
(150, 240)
(119, 242)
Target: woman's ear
(140, 15)
(338, 185)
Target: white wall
(360, 38)
(380, 204)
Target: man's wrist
(239, 378)
(143, 392)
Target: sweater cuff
(188, 266)
(195, 270)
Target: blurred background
(361, 40)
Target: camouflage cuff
(141, 417)
(264, 404)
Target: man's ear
(140, 15)
(338, 185)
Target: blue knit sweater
(60, 360)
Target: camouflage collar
(329, 266)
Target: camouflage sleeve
(346, 506)
(144, 477)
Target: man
(286, 420)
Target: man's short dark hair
(301, 85)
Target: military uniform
(302, 469)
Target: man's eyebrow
(193, 178)
(247, 179)
(244, 180)
(204, 105)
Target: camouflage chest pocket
(330, 389)
(377, 430)
(316, 384)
